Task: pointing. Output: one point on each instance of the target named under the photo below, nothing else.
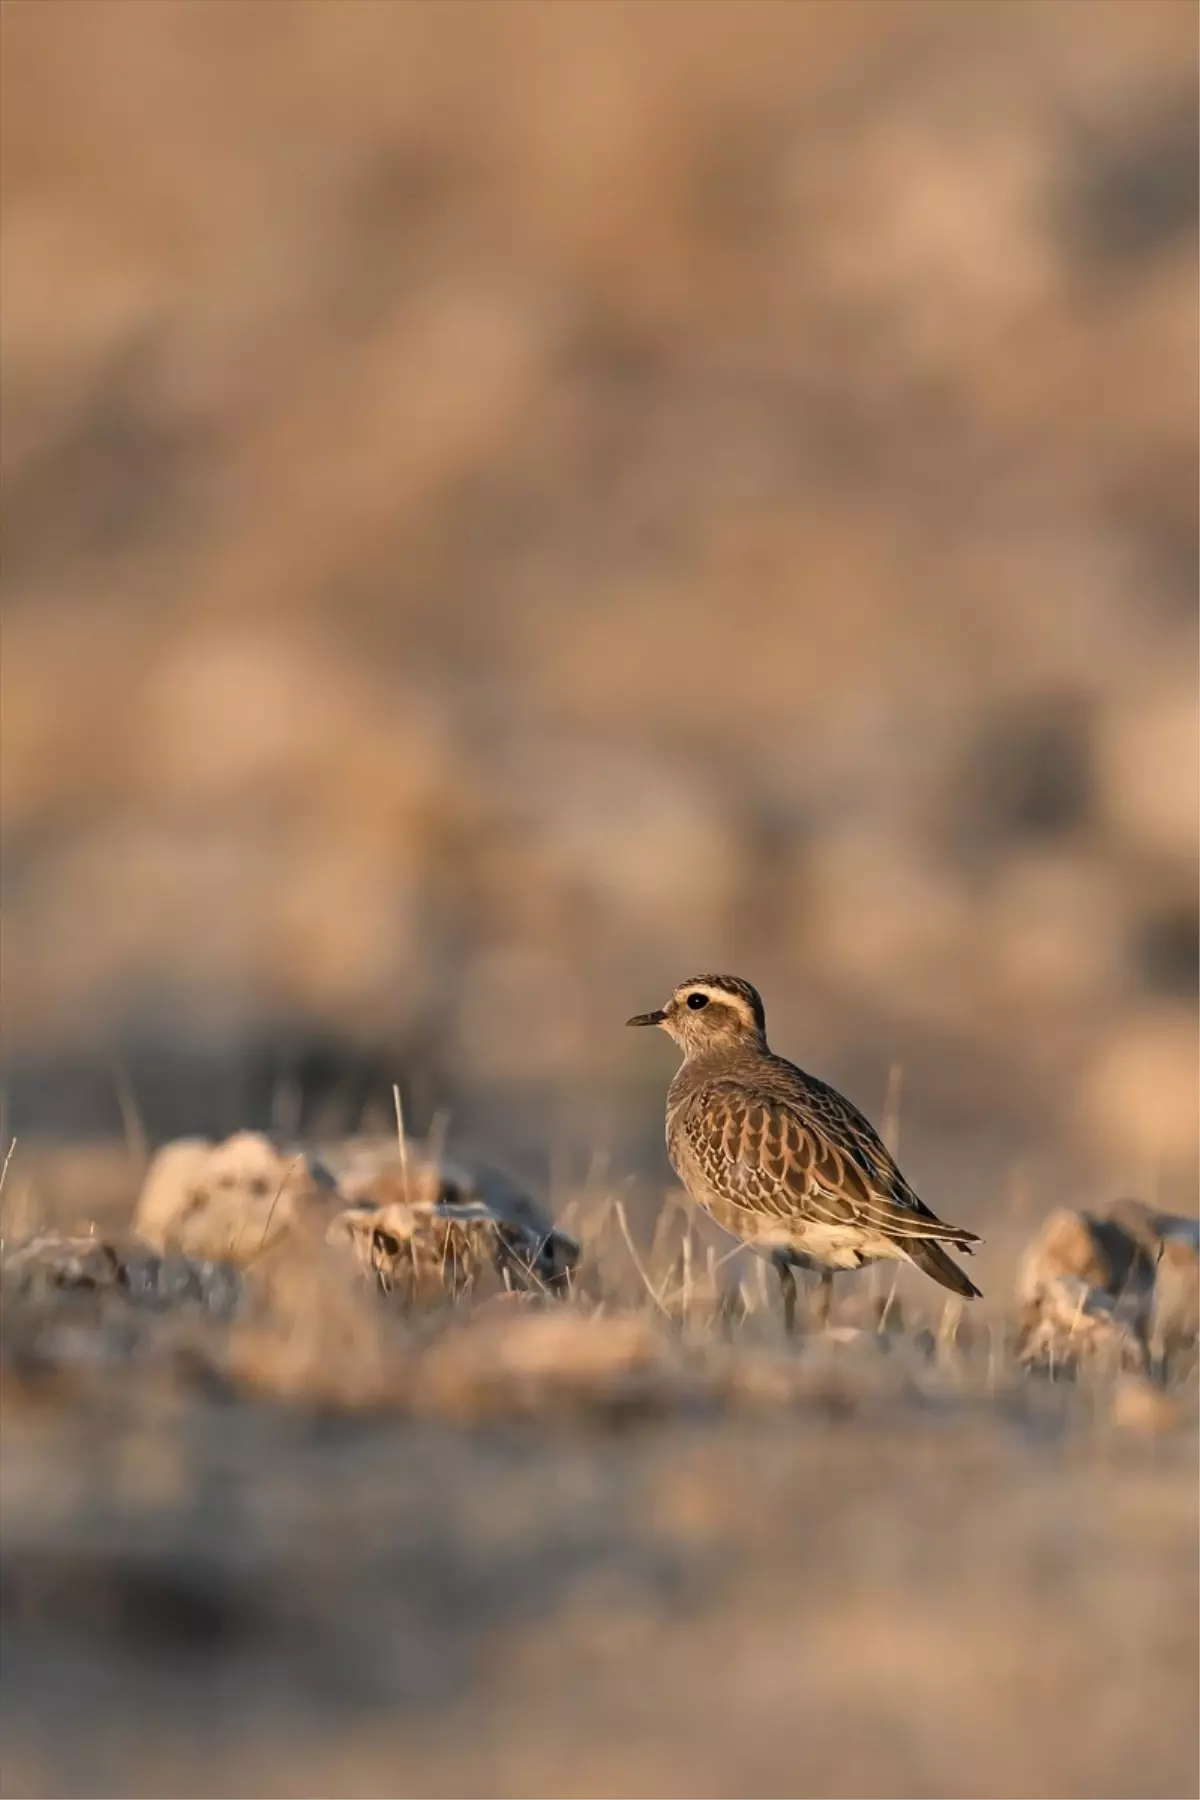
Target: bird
(780, 1159)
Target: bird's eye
(696, 1001)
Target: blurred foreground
(851, 1595)
(326, 1515)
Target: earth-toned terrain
(277, 1520)
(506, 506)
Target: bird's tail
(931, 1259)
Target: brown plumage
(782, 1160)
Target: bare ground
(560, 1554)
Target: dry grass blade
(136, 1139)
(660, 1242)
(1079, 1312)
(275, 1202)
(713, 1263)
(8, 1156)
(594, 1224)
(401, 1138)
(947, 1333)
(639, 1265)
(262, 1241)
(687, 1270)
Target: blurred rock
(51, 1262)
(1175, 1312)
(231, 1201)
(1100, 1252)
(1112, 1285)
(427, 1226)
(167, 1187)
(166, 1281)
(1073, 1324)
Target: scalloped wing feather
(816, 1157)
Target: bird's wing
(813, 1156)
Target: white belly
(834, 1246)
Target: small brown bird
(780, 1159)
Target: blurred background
(509, 506)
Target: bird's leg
(824, 1299)
(787, 1282)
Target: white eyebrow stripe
(714, 993)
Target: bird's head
(709, 1013)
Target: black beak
(654, 1018)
